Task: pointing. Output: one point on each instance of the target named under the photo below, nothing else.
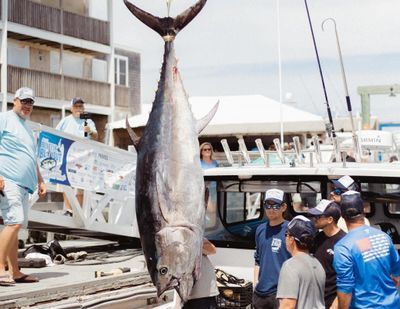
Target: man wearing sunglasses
(271, 251)
(19, 176)
(341, 186)
(325, 216)
(302, 278)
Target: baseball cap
(274, 195)
(344, 182)
(76, 100)
(326, 208)
(351, 204)
(301, 228)
(25, 93)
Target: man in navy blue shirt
(271, 251)
(366, 263)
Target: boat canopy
(244, 115)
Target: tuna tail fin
(203, 122)
(135, 139)
(167, 27)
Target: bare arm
(208, 248)
(94, 136)
(344, 300)
(287, 303)
(41, 186)
(256, 274)
(334, 304)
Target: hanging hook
(327, 19)
(169, 5)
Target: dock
(73, 285)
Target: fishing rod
(346, 89)
(330, 127)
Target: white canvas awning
(244, 115)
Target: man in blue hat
(366, 262)
(302, 278)
(271, 251)
(84, 128)
(73, 124)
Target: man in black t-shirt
(326, 215)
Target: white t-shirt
(206, 286)
(74, 126)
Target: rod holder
(243, 150)
(261, 150)
(227, 151)
(297, 149)
(317, 149)
(279, 150)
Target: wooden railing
(48, 18)
(89, 29)
(34, 15)
(121, 96)
(49, 85)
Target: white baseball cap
(25, 93)
(274, 195)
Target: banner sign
(80, 164)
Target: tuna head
(179, 259)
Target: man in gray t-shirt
(302, 278)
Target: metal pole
(279, 69)
(332, 128)
(4, 18)
(346, 89)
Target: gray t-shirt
(303, 278)
(206, 286)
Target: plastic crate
(235, 296)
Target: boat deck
(73, 285)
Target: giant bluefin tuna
(170, 194)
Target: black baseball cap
(326, 208)
(351, 205)
(301, 228)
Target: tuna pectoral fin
(203, 122)
(135, 139)
(163, 203)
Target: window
(121, 70)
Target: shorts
(14, 205)
(201, 303)
(267, 302)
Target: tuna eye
(163, 270)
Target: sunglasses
(27, 102)
(206, 149)
(338, 191)
(272, 206)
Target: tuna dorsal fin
(135, 139)
(203, 122)
(167, 27)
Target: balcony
(52, 19)
(49, 85)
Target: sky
(231, 48)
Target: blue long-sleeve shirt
(364, 260)
(270, 254)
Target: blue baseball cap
(351, 205)
(301, 228)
